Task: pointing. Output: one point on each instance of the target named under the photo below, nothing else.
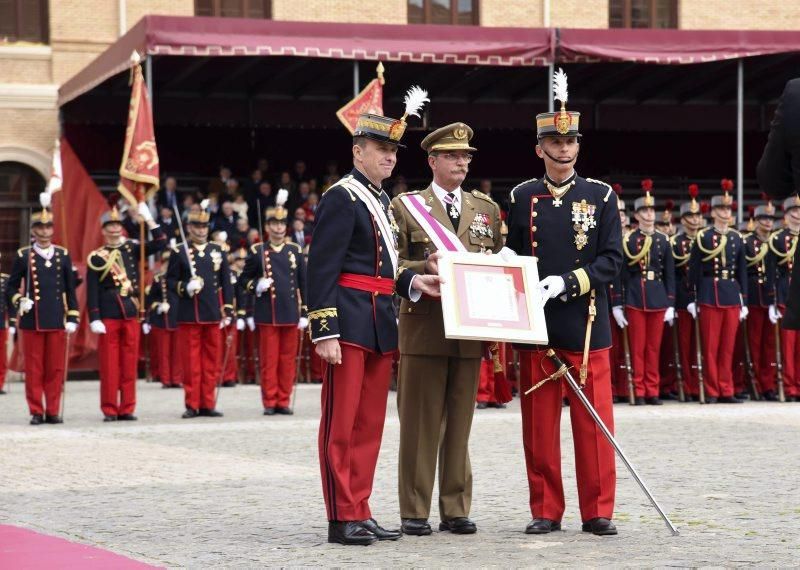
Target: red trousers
(645, 329)
(151, 342)
(200, 346)
(666, 362)
(354, 395)
(44, 370)
(231, 372)
(165, 352)
(118, 354)
(761, 338)
(688, 352)
(541, 428)
(790, 344)
(278, 350)
(246, 352)
(3, 357)
(718, 328)
(486, 382)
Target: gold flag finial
(380, 71)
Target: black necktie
(452, 211)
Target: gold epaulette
(177, 247)
(254, 248)
(295, 245)
(662, 233)
(511, 194)
(64, 249)
(609, 189)
(340, 185)
(482, 196)
(21, 251)
(409, 193)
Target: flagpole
(142, 280)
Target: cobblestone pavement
(244, 490)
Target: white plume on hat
(415, 99)
(283, 195)
(45, 198)
(560, 85)
(204, 204)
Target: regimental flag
(139, 170)
(370, 100)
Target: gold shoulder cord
(784, 257)
(636, 258)
(110, 260)
(712, 253)
(758, 257)
(681, 258)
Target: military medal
(48, 263)
(557, 202)
(582, 220)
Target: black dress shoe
(2, 391)
(213, 413)
(53, 419)
(416, 527)
(269, 411)
(668, 396)
(166, 386)
(127, 418)
(653, 401)
(37, 419)
(639, 401)
(109, 418)
(350, 533)
(189, 413)
(600, 527)
(711, 400)
(770, 396)
(481, 405)
(179, 385)
(459, 525)
(693, 398)
(229, 384)
(542, 526)
(497, 405)
(283, 411)
(615, 399)
(742, 395)
(730, 400)
(382, 533)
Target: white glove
(507, 254)
(97, 327)
(619, 315)
(239, 324)
(12, 331)
(302, 323)
(144, 212)
(693, 310)
(551, 287)
(251, 323)
(25, 305)
(669, 316)
(72, 327)
(225, 322)
(263, 284)
(146, 328)
(774, 315)
(162, 308)
(743, 313)
(222, 236)
(195, 284)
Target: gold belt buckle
(724, 273)
(651, 275)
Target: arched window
(643, 14)
(455, 12)
(20, 186)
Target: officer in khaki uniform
(438, 378)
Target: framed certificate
(487, 298)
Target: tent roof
(459, 45)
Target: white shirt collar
(47, 253)
(440, 193)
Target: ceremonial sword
(563, 370)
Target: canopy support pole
(356, 80)
(740, 141)
(148, 79)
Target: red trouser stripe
(645, 329)
(118, 354)
(278, 350)
(541, 427)
(44, 369)
(354, 395)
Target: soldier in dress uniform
(783, 245)
(275, 273)
(352, 275)
(691, 221)
(230, 334)
(112, 297)
(718, 275)
(198, 272)
(162, 303)
(619, 379)
(7, 319)
(761, 299)
(572, 225)
(438, 377)
(47, 312)
(646, 297)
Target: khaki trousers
(436, 401)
